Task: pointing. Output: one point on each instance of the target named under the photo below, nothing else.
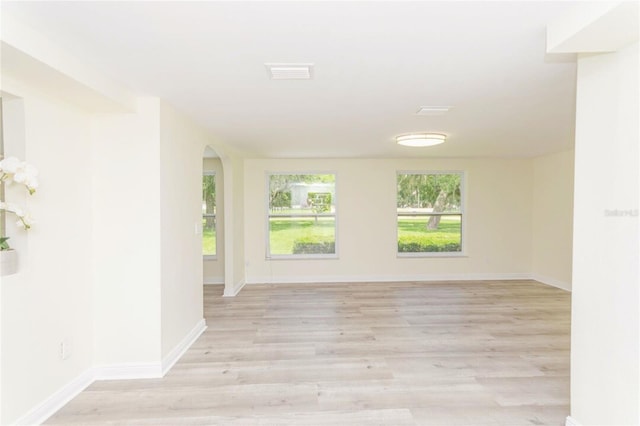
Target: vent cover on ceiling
(433, 110)
(290, 71)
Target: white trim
(571, 422)
(551, 281)
(382, 278)
(41, 412)
(149, 370)
(213, 280)
(176, 353)
(232, 292)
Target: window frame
(215, 217)
(267, 242)
(462, 213)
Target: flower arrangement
(13, 170)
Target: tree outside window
(209, 214)
(429, 212)
(301, 215)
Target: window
(302, 216)
(209, 214)
(430, 212)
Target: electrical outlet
(65, 349)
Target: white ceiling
(375, 64)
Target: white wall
(497, 231)
(126, 238)
(214, 268)
(113, 266)
(235, 217)
(605, 301)
(553, 218)
(181, 214)
(50, 298)
(119, 197)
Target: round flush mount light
(421, 139)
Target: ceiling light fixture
(421, 139)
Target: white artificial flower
(24, 173)
(10, 165)
(20, 172)
(13, 170)
(25, 221)
(10, 207)
(32, 184)
(19, 177)
(14, 208)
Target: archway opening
(213, 234)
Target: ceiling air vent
(433, 110)
(289, 71)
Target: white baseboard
(305, 279)
(213, 280)
(128, 371)
(551, 281)
(232, 292)
(177, 352)
(571, 422)
(41, 412)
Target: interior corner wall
(126, 236)
(605, 298)
(552, 235)
(181, 220)
(49, 300)
(213, 269)
(497, 224)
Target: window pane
(424, 234)
(209, 214)
(429, 192)
(302, 214)
(209, 236)
(419, 197)
(302, 235)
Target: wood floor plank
(491, 353)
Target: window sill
(430, 255)
(303, 257)
(209, 257)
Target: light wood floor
(464, 353)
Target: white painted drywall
(180, 215)
(50, 299)
(98, 270)
(126, 235)
(596, 26)
(214, 268)
(235, 216)
(28, 55)
(605, 301)
(553, 218)
(498, 222)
